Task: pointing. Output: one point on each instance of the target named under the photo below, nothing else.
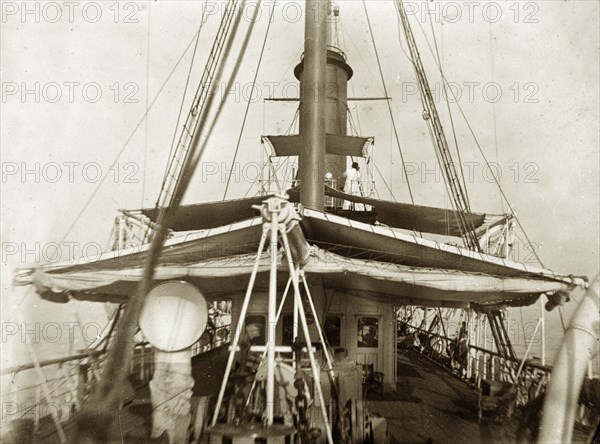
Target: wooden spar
(312, 107)
(113, 386)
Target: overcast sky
(76, 80)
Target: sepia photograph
(300, 221)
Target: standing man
(351, 183)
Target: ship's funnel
(337, 74)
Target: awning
(209, 214)
(354, 239)
(384, 282)
(230, 240)
(373, 261)
(395, 214)
(335, 144)
(413, 217)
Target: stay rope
(127, 141)
(388, 102)
(249, 101)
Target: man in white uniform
(351, 183)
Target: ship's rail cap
(337, 50)
(330, 48)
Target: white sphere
(174, 316)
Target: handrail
(533, 380)
(80, 378)
(528, 362)
(47, 362)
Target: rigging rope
(460, 164)
(221, 45)
(493, 69)
(262, 51)
(445, 80)
(388, 103)
(449, 169)
(455, 138)
(187, 175)
(180, 113)
(147, 97)
(453, 203)
(119, 355)
(358, 53)
(500, 187)
(122, 150)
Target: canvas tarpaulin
(373, 279)
(396, 214)
(350, 146)
(413, 217)
(375, 262)
(209, 214)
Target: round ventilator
(174, 316)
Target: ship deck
(428, 405)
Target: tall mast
(312, 107)
(458, 194)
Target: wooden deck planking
(432, 406)
(429, 405)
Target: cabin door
(369, 341)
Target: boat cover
(375, 262)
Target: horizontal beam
(19, 368)
(349, 99)
(278, 349)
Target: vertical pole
(526, 353)
(312, 107)
(319, 329)
(543, 326)
(506, 239)
(271, 316)
(36, 417)
(295, 327)
(121, 234)
(311, 356)
(476, 366)
(262, 357)
(240, 325)
(469, 359)
(484, 346)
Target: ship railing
(51, 402)
(55, 395)
(363, 188)
(212, 339)
(484, 364)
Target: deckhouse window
(368, 332)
